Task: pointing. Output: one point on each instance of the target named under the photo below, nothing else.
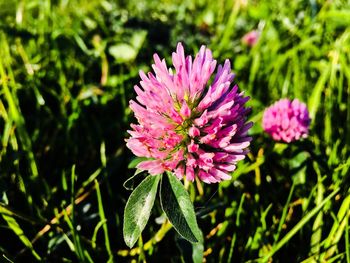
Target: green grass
(67, 71)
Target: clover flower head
(251, 38)
(287, 120)
(186, 125)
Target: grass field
(67, 72)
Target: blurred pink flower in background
(287, 120)
(186, 127)
(251, 38)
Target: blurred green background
(67, 71)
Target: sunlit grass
(67, 71)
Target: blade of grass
(315, 97)
(337, 231)
(15, 113)
(224, 39)
(94, 236)
(298, 226)
(12, 223)
(71, 221)
(7, 259)
(347, 242)
(83, 194)
(87, 256)
(103, 219)
(233, 241)
(284, 214)
(317, 226)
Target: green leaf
(178, 207)
(138, 209)
(136, 161)
(190, 252)
(123, 52)
(138, 38)
(198, 251)
(129, 183)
